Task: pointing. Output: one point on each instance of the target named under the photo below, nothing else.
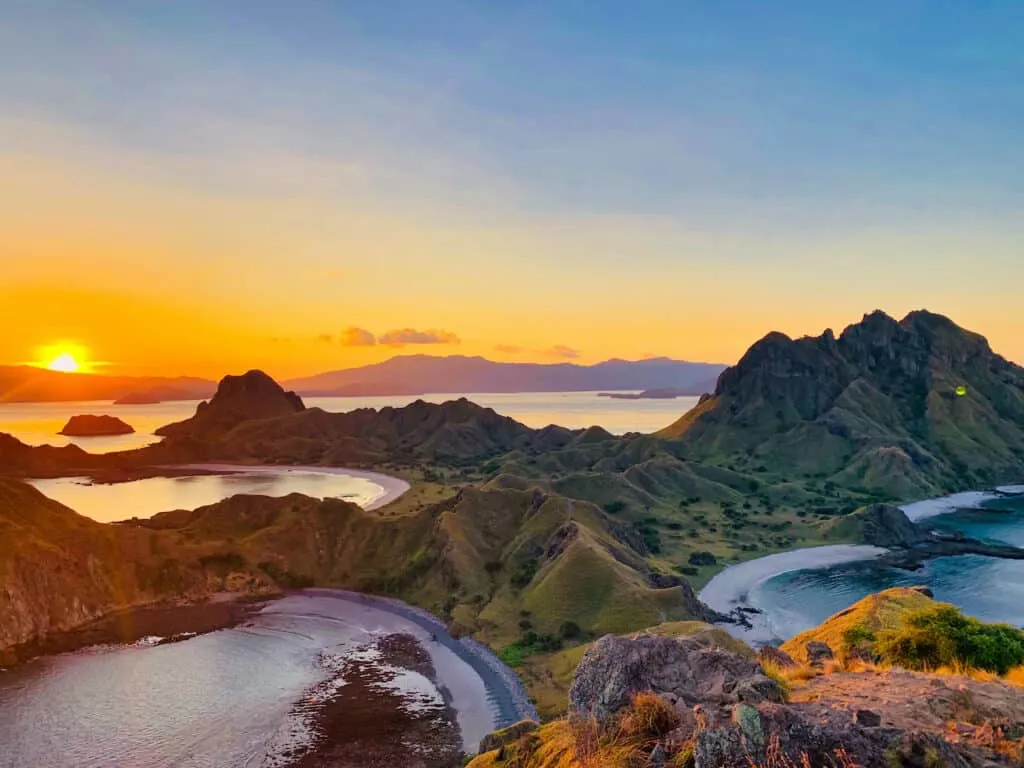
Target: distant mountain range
(405, 375)
(424, 374)
(27, 384)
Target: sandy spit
(390, 487)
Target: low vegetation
(941, 636)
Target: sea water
(987, 588)
(39, 423)
(229, 698)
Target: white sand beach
(921, 510)
(390, 487)
(733, 587)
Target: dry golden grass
(649, 718)
(775, 757)
(1015, 676)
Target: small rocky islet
(89, 425)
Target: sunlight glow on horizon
(64, 358)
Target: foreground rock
(689, 670)
(651, 701)
(88, 425)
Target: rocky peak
(251, 396)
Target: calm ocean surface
(144, 498)
(232, 698)
(39, 423)
(988, 588)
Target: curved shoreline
(943, 505)
(391, 487)
(504, 689)
(730, 590)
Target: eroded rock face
(689, 670)
(251, 396)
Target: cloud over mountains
(400, 337)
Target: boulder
(689, 669)
(867, 718)
(773, 734)
(818, 653)
(88, 425)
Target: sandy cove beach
(733, 588)
(922, 510)
(391, 487)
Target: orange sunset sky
(202, 192)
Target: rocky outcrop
(88, 425)
(253, 396)
(690, 670)
(872, 719)
(883, 525)
(908, 408)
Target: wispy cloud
(325, 338)
(403, 336)
(562, 352)
(508, 349)
(357, 337)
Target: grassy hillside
(877, 612)
(902, 409)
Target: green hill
(902, 409)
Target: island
(96, 426)
(662, 393)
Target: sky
(207, 186)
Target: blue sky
(854, 155)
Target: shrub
(942, 636)
(527, 645)
(687, 570)
(570, 630)
(614, 507)
(524, 573)
(702, 558)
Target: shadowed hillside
(909, 409)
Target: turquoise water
(988, 588)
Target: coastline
(391, 487)
(731, 589)
(504, 689)
(481, 693)
(154, 624)
(943, 505)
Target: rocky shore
(155, 623)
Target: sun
(65, 363)
(64, 357)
